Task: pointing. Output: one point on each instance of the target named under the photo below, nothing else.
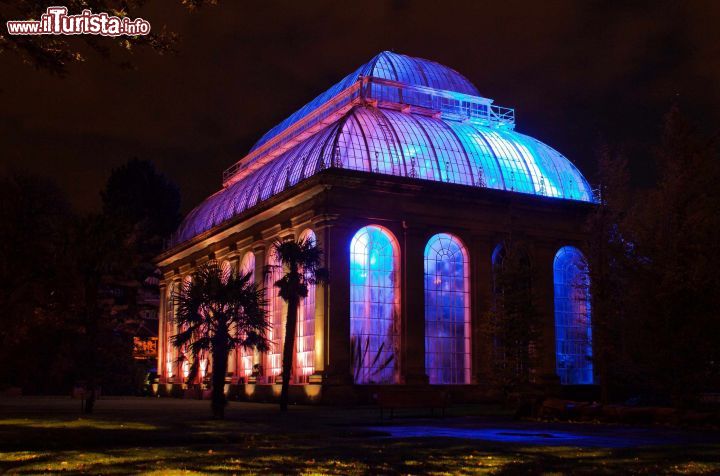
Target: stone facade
(335, 203)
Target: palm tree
(300, 259)
(217, 313)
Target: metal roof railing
(384, 93)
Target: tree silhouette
(300, 260)
(217, 313)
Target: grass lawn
(168, 436)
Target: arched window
(447, 311)
(245, 369)
(374, 309)
(305, 340)
(276, 317)
(186, 356)
(171, 354)
(226, 269)
(573, 330)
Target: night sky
(578, 73)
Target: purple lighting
(374, 299)
(447, 311)
(414, 119)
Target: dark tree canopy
(35, 292)
(138, 196)
(654, 255)
(54, 53)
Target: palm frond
(213, 309)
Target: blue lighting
(573, 329)
(545, 435)
(373, 305)
(447, 311)
(383, 137)
(386, 65)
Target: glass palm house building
(411, 182)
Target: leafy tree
(216, 314)
(144, 207)
(674, 292)
(114, 250)
(301, 260)
(143, 201)
(35, 292)
(609, 254)
(68, 283)
(54, 53)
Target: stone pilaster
(544, 290)
(481, 302)
(336, 243)
(413, 305)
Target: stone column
(481, 302)
(412, 309)
(545, 298)
(234, 355)
(336, 241)
(320, 226)
(258, 250)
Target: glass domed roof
(392, 142)
(386, 65)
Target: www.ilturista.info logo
(56, 21)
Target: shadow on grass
(400, 457)
(176, 436)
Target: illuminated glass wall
(247, 265)
(226, 271)
(374, 298)
(384, 141)
(276, 316)
(447, 311)
(184, 353)
(573, 330)
(170, 350)
(305, 340)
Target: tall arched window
(186, 355)
(171, 354)
(247, 265)
(305, 340)
(276, 316)
(573, 330)
(226, 270)
(374, 305)
(447, 311)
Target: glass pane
(447, 311)
(373, 306)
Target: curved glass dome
(386, 65)
(386, 141)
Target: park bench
(397, 399)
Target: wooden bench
(398, 399)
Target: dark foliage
(512, 325)
(654, 256)
(54, 53)
(70, 283)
